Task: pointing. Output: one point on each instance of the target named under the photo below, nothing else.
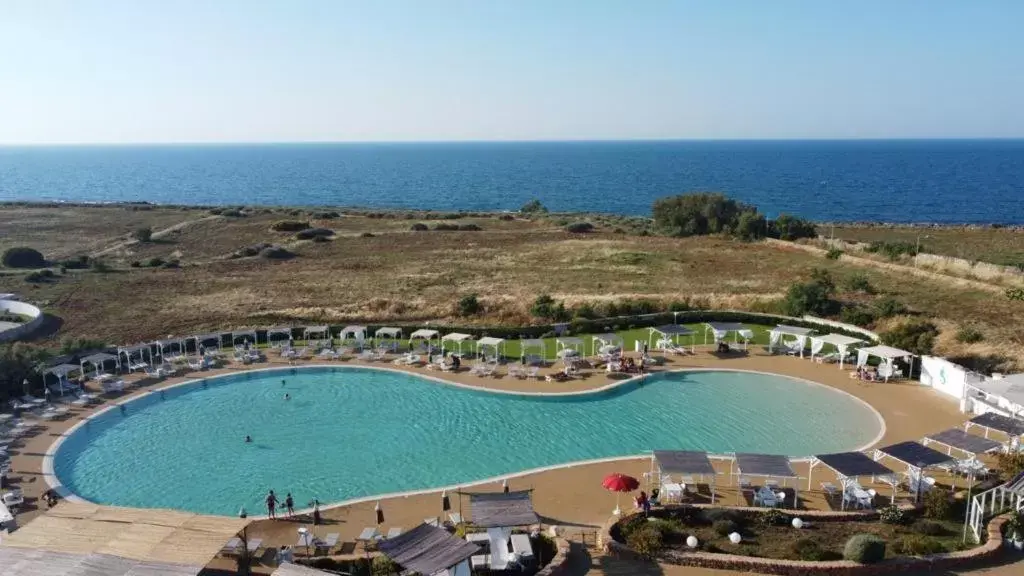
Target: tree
(548, 308)
(698, 214)
(917, 337)
(144, 234)
(23, 257)
(469, 305)
(787, 227)
(533, 207)
(18, 362)
(813, 297)
(751, 225)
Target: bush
(916, 337)
(937, 504)
(248, 251)
(698, 214)
(864, 549)
(366, 235)
(814, 297)
(326, 215)
(916, 545)
(39, 276)
(469, 228)
(135, 264)
(891, 515)
(1015, 294)
(585, 311)
(580, 227)
(833, 254)
(645, 541)
(969, 335)
(773, 517)
(383, 566)
(419, 227)
(275, 253)
(144, 234)
(787, 227)
(289, 226)
(100, 266)
(751, 225)
(23, 257)
(1009, 464)
(893, 250)
(232, 213)
(172, 263)
(445, 227)
(547, 308)
(533, 207)
(312, 233)
(76, 345)
(154, 262)
(888, 307)
(859, 283)
(506, 217)
(725, 527)
(929, 528)
(807, 549)
(712, 515)
(856, 315)
(469, 305)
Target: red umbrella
(619, 483)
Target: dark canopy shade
(1005, 424)
(427, 549)
(673, 330)
(765, 465)
(494, 509)
(852, 464)
(683, 462)
(961, 440)
(914, 454)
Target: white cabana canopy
(662, 337)
(139, 350)
(316, 332)
(797, 334)
(497, 344)
(166, 346)
(424, 334)
(528, 345)
(601, 340)
(456, 337)
(205, 339)
(243, 335)
(354, 332)
(278, 336)
(1009, 388)
(722, 329)
(98, 360)
(887, 354)
(61, 372)
(388, 332)
(841, 342)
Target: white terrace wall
(25, 329)
(944, 376)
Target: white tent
(391, 335)
(799, 337)
(662, 337)
(425, 334)
(496, 344)
(140, 351)
(98, 361)
(888, 354)
(601, 340)
(166, 348)
(357, 333)
(61, 372)
(722, 329)
(457, 338)
(277, 337)
(841, 342)
(568, 343)
(316, 334)
(528, 345)
(240, 337)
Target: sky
(155, 71)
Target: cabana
(722, 329)
(495, 344)
(316, 334)
(166, 347)
(532, 350)
(98, 360)
(669, 334)
(1012, 427)
(430, 550)
(61, 372)
(390, 334)
(425, 334)
(141, 351)
(916, 457)
(354, 332)
(888, 354)
(568, 346)
(499, 512)
(683, 463)
(210, 341)
(849, 467)
(768, 466)
(240, 337)
(969, 444)
(841, 342)
(278, 337)
(798, 342)
(457, 338)
(604, 341)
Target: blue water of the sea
(946, 181)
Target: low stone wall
(939, 562)
(560, 563)
(25, 329)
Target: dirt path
(157, 234)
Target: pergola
(496, 344)
(684, 463)
(722, 329)
(1012, 427)
(139, 349)
(599, 341)
(841, 342)
(244, 336)
(568, 343)
(849, 466)
(430, 550)
(767, 466)
(670, 333)
(969, 444)
(499, 512)
(457, 338)
(61, 372)
(799, 336)
(213, 340)
(1007, 390)
(354, 332)
(98, 360)
(391, 334)
(316, 334)
(166, 347)
(917, 457)
(425, 334)
(277, 337)
(536, 344)
(888, 354)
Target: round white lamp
(735, 538)
(691, 541)
(798, 523)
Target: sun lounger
(32, 400)
(231, 546)
(455, 518)
(432, 521)
(13, 499)
(327, 543)
(368, 535)
(394, 531)
(828, 488)
(521, 545)
(532, 372)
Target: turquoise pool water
(353, 432)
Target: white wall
(24, 309)
(944, 376)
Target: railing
(992, 503)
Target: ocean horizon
(948, 181)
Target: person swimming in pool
(282, 383)
(287, 396)
(248, 439)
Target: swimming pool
(351, 432)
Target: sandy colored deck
(572, 496)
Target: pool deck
(569, 496)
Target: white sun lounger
(455, 518)
(394, 531)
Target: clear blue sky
(314, 70)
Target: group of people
(628, 365)
(642, 502)
(272, 502)
(864, 373)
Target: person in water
(289, 504)
(248, 439)
(272, 505)
(282, 383)
(287, 396)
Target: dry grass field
(1004, 246)
(377, 269)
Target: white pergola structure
(140, 351)
(98, 361)
(841, 342)
(849, 467)
(211, 341)
(166, 347)
(887, 354)
(456, 338)
(719, 330)
(669, 334)
(354, 332)
(600, 341)
(797, 334)
(61, 372)
(391, 334)
(278, 337)
(568, 345)
(917, 457)
(240, 337)
(495, 344)
(425, 334)
(532, 344)
(316, 334)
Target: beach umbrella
(619, 483)
(380, 513)
(504, 486)
(446, 504)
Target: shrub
(1009, 464)
(773, 517)
(172, 263)
(135, 264)
(969, 335)
(833, 254)
(39, 276)
(864, 549)
(326, 215)
(891, 514)
(100, 266)
(506, 217)
(929, 528)
(23, 257)
(917, 337)
(144, 234)
(807, 549)
(725, 527)
(787, 227)
(917, 545)
(937, 504)
(1015, 294)
(469, 305)
(533, 207)
(445, 227)
(547, 308)
(289, 226)
(893, 250)
(712, 515)
(248, 251)
(859, 283)
(76, 345)
(419, 227)
(366, 235)
(579, 227)
(888, 307)
(275, 253)
(751, 225)
(154, 262)
(216, 211)
(814, 297)
(585, 311)
(311, 233)
(698, 214)
(856, 315)
(469, 228)
(645, 541)
(383, 566)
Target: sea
(896, 181)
